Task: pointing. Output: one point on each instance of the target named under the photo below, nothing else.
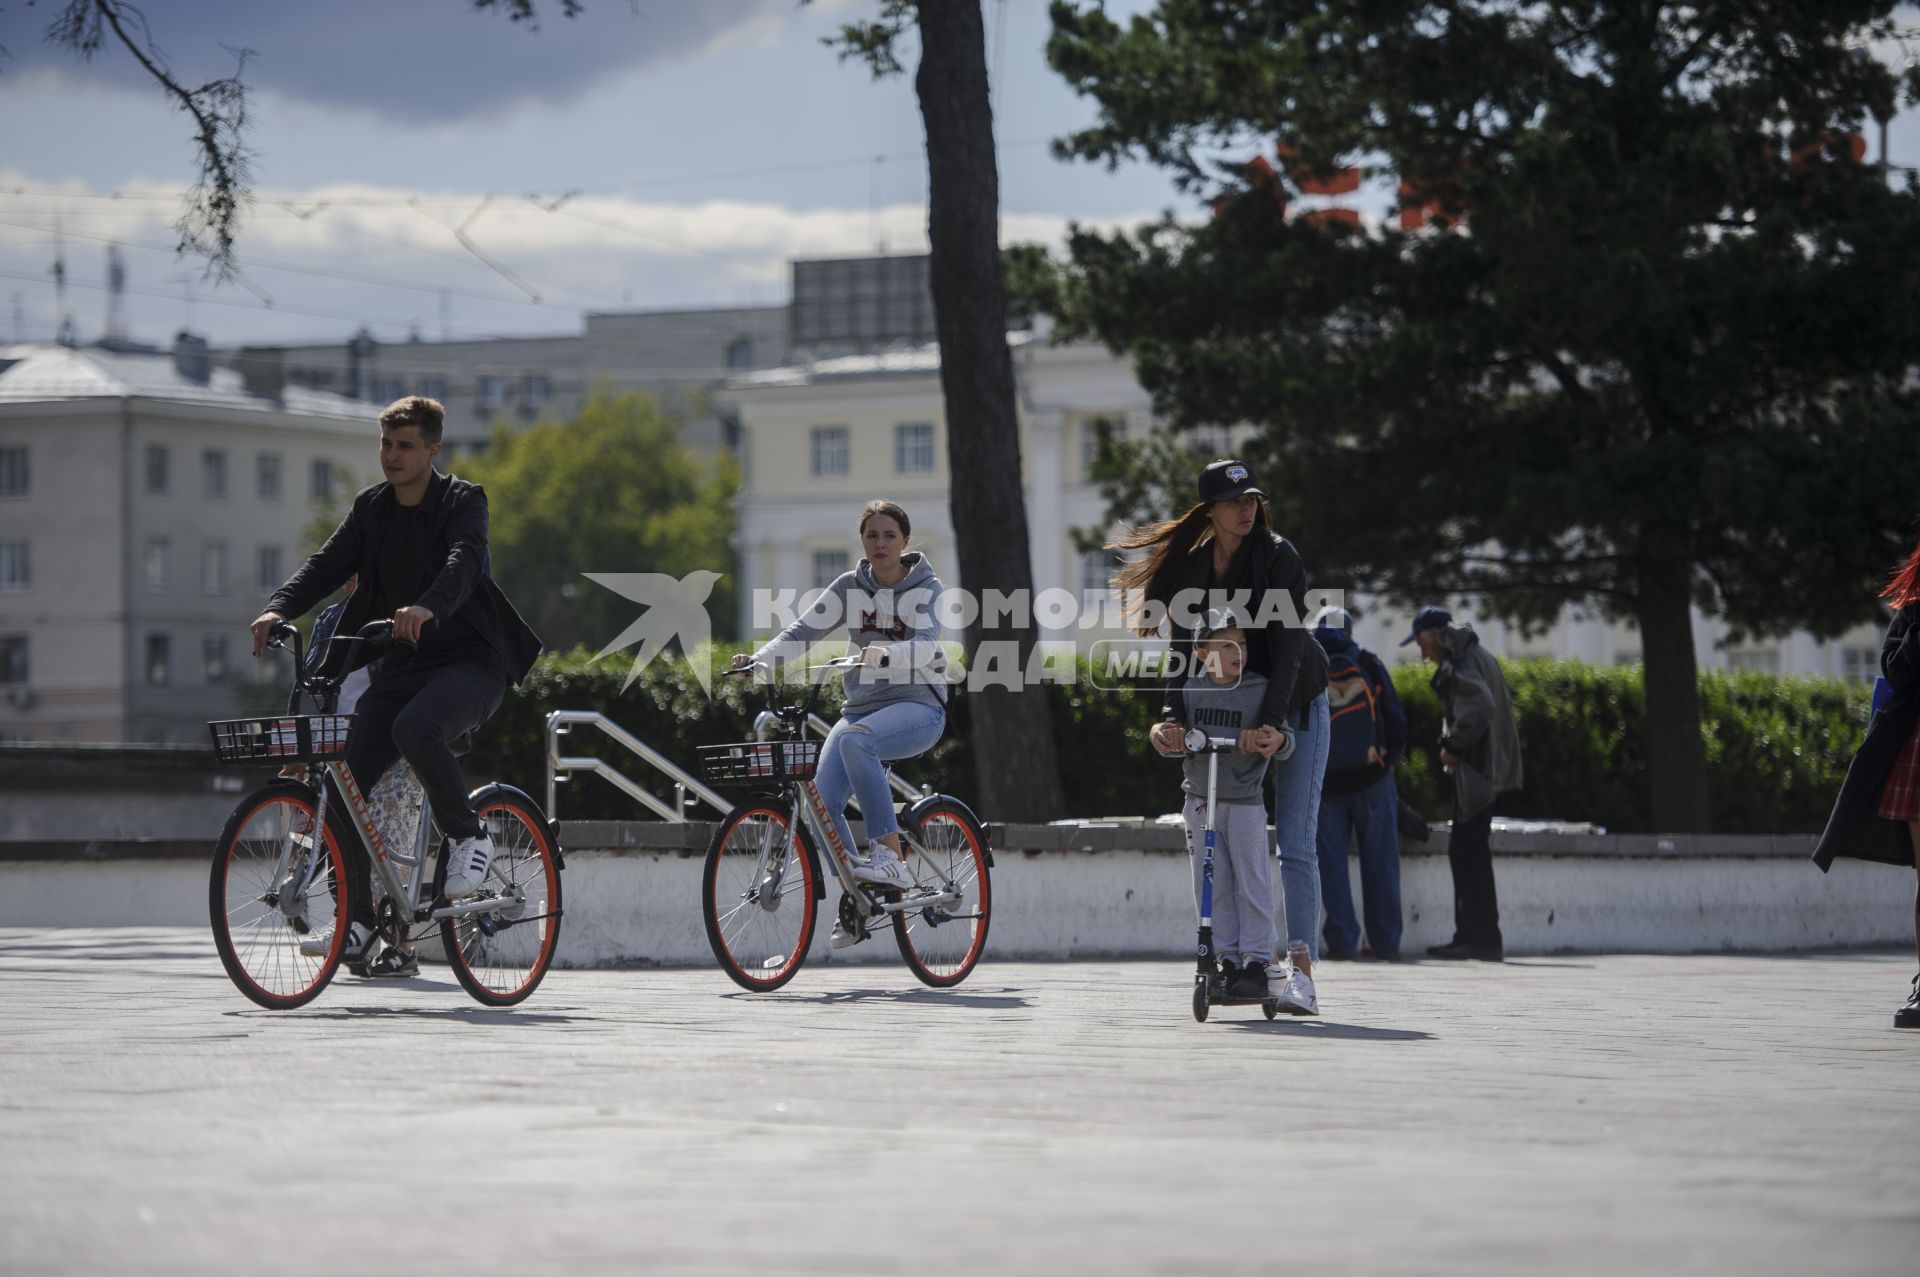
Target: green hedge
(1777, 748)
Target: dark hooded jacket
(1479, 729)
(1393, 716)
(1855, 829)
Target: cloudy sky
(698, 145)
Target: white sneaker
(841, 937)
(359, 939)
(1292, 988)
(884, 868)
(467, 862)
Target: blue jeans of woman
(853, 762)
(1296, 824)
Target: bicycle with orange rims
(762, 885)
(278, 893)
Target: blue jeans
(1296, 824)
(853, 758)
(1373, 814)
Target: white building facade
(148, 506)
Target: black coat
(1855, 829)
(462, 587)
(1296, 667)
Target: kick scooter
(1209, 985)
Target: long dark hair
(1169, 544)
(1903, 587)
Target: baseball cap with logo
(1225, 480)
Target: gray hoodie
(1479, 727)
(1225, 711)
(903, 618)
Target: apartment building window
(535, 390)
(320, 485)
(270, 576)
(1861, 663)
(13, 660)
(1090, 430)
(154, 565)
(434, 388)
(1097, 569)
(16, 566)
(1759, 660)
(14, 475)
(740, 355)
(913, 448)
(829, 450)
(213, 474)
(159, 660)
(213, 568)
(267, 474)
(490, 393)
(156, 469)
(213, 660)
(828, 565)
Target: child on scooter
(1222, 700)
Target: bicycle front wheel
(500, 955)
(942, 942)
(757, 896)
(258, 926)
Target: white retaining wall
(641, 905)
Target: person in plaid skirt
(1877, 816)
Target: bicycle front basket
(758, 762)
(296, 738)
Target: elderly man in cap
(1480, 748)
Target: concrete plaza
(1710, 1114)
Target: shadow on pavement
(1329, 1029)
(1002, 999)
(450, 1015)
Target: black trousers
(416, 713)
(1476, 907)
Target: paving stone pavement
(1715, 1114)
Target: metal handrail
(906, 789)
(683, 783)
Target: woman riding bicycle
(894, 703)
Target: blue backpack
(1354, 704)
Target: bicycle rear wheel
(501, 955)
(258, 933)
(759, 921)
(942, 943)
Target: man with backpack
(1358, 798)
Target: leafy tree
(1645, 337)
(615, 491)
(1019, 772)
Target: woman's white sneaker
(359, 940)
(884, 868)
(467, 862)
(1292, 988)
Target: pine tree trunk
(1676, 755)
(1013, 748)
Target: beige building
(819, 440)
(148, 505)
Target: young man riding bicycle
(418, 542)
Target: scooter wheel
(1200, 1001)
(1271, 1007)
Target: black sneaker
(1249, 982)
(394, 963)
(1908, 1016)
(1223, 978)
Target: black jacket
(1855, 828)
(1296, 668)
(462, 587)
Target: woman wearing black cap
(1224, 546)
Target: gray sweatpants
(1242, 877)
